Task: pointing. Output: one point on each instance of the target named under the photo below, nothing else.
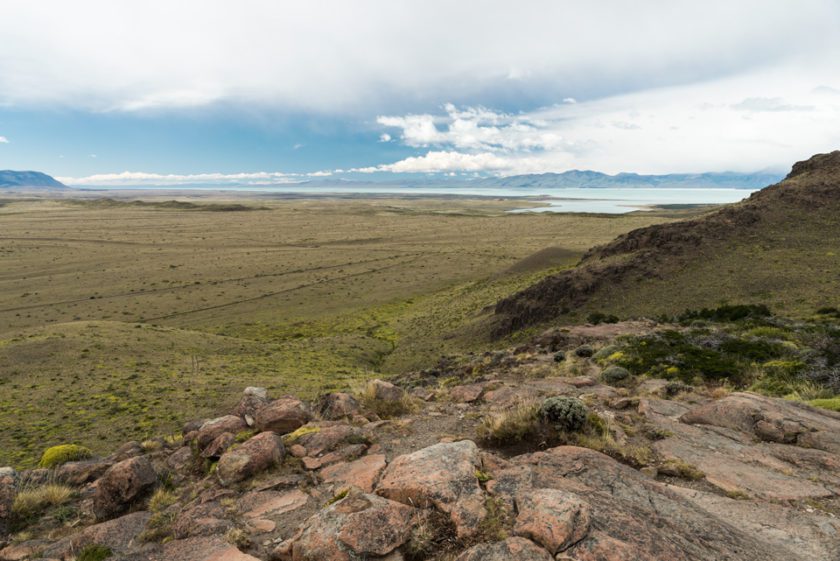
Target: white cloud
(384, 137)
(760, 120)
(387, 57)
(4, 140)
(145, 178)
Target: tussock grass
(31, 502)
(519, 423)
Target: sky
(117, 92)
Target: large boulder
(214, 428)
(511, 549)
(283, 415)
(122, 484)
(79, 473)
(338, 405)
(256, 454)
(320, 438)
(553, 518)
(443, 476)
(386, 391)
(119, 534)
(359, 526)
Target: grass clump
(385, 408)
(337, 497)
(161, 500)
(832, 403)
(30, 503)
(94, 552)
(63, 453)
(679, 468)
(516, 424)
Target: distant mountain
(778, 248)
(9, 178)
(596, 180)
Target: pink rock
(338, 405)
(511, 549)
(362, 473)
(466, 393)
(283, 415)
(121, 484)
(215, 449)
(553, 518)
(213, 428)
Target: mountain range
(10, 178)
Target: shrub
(63, 453)
(94, 552)
(584, 351)
(728, 313)
(613, 375)
(598, 317)
(564, 413)
(559, 356)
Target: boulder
(338, 405)
(443, 476)
(80, 473)
(201, 519)
(181, 460)
(283, 415)
(359, 526)
(128, 450)
(326, 437)
(386, 391)
(119, 534)
(553, 518)
(215, 449)
(252, 401)
(466, 393)
(199, 549)
(256, 454)
(213, 428)
(511, 549)
(362, 473)
(121, 484)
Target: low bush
(728, 313)
(615, 375)
(564, 413)
(63, 453)
(94, 552)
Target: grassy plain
(121, 320)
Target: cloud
(4, 140)
(145, 178)
(369, 56)
(769, 104)
(384, 137)
(727, 124)
(437, 162)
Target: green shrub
(94, 552)
(728, 313)
(564, 413)
(613, 375)
(832, 403)
(584, 351)
(559, 356)
(63, 453)
(598, 317)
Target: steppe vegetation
(119, 320)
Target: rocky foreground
(683, 474)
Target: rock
(214, 428)
(283, 415)
(252, 401)
(8, 490)
(359, 526)
(326, 437)
(119, 534)
(122, 484)
(362, 473)
(443, 476)
(201, 519)
(580, 381)
(199, 549)
(555, 519)
(423, 393)
(256, 454)
(350, 452)
(215, 449)
(338, 405)
(386, 391)
(466, 393)
(128, 450)
(79, 473)
(770, 419)
(511, 549)
(181, 460)
(297, 450)
(273, 503)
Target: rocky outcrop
(122, 484)
(511, 549)
(554, 519)
(338, 405)
(442, 476)
(212, 429)
(359, 526)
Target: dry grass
(679, 468)
(161, 500)
(32, 501)
(519, 423)
(386, 408)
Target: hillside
(777, 248)
(587, 179)
(10, 178)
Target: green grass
(832, 404)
